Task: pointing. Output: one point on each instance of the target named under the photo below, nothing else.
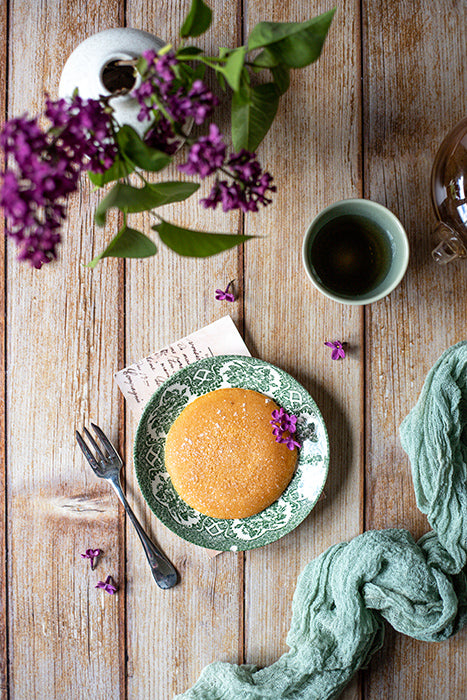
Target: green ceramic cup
(355, 251)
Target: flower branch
(44, 165)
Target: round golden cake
(221, 454)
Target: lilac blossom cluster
(285, 426)
(44, 169)
(249, 185)
(164, 99)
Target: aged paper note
(138, 382)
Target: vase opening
(118, 76)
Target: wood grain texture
(168, 297)
(415, 84)
(313, 150)
(62, 351)
(69, 329)
(3, 500)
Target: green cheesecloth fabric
(344, 595)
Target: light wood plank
(65, 638)
(415, 84)
(3, 504)
(168, 297)
(313, 151)
(63, 340)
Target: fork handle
(162, 570)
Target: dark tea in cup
(355, 251)
(351, 254)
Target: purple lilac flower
(248, 189)
(277, 414)
(108, 585)
(225, 295)
(256, 183)
(44, 168)
(202, 102)
(338, 351)
(162, 137)
(85, 132)
(92, 554)
(223, 193)
(160, 84)
(291, 443)
(154, 82)
(198, 104)
(163, 66)
(284, 427)
(206, 155)
(289, 423)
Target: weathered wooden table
(366, 120)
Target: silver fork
(107, 465)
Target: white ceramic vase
(87, 69)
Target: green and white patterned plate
(166, 405)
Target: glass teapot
(449, 195)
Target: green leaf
(221, 80)
(199, 71)
(117, 170)
(253, 112)
(197, 20)
(184, 72)
(265, 59)
(281, 75)
(134, 199)
(140, 154)
(295, 44)
(141, 65)
(196, 244)
(128, 243)
(188, 52)
(232, 69)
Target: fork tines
(109, 450)
(85, 449)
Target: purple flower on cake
(338, 351)
(224, 294)
(92, 555)
(277, 416)
(284, 426)
(291, 443)
(109, 585)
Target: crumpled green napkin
(342, 596)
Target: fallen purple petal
(92, 555)
(338, 351)
(109, 585)
(224, 294)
